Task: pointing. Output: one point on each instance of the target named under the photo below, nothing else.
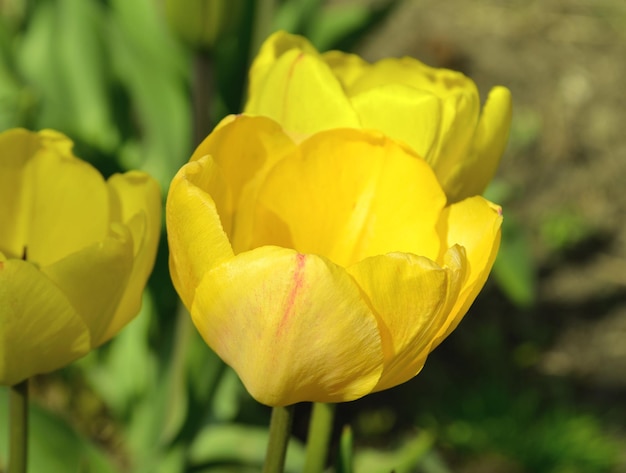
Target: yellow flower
(434, 111)
(322, 270)
(75, 252)
(200, 23)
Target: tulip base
(18, 427)
(280, 429)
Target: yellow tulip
(323, 269)
(200, 23)
(434, 111)
(75, 252)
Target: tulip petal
(348, 195)
(271, 50)
(471, 175)
(412, 73)
(348, 68)
(55, 216)
(18, 146)
(196, 238)
(39, 329)
(94, 278)
(294, 327)
(244, 149)
(302, 94)
(411, 296)
(474, 224)
(459, 119)
(402, 113)
(137, 203)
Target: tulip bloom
(434, 111)
(200, 23)
(75, 252)
(326, 269)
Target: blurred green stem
(345, 460)
(18, 407)
(320, 430)
(280, 429)
(203, 90)
(263, 19)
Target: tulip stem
(265, 11)
(320, 430)
(18, 427)
(203, 91)
(280, 429)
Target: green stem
(265, 11)
(320, 430)
(203, 92)
(18, 407)
(344, 460)
(280, 429)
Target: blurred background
(533, 380)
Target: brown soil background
(565, 64)
(565, 167)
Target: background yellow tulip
(435, 111)
(75, 252)
(201, 23)
(322, 270)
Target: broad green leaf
(337, 22)
(149, 398)
(295, 15)
(154, 70)
(63, 57)
(228, 444)
(125, 369)
(14, 96)
(514, 270)
(402, 460)
(228, 396)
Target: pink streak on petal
(298, 283)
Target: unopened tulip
(434, 111)
(200, 23)
(75, 252)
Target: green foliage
(345, 459)
(333, 26)
(108, 75)
(563, 228)
(562, 439)
(514, 269)
(53, 444)
(231, 444)
(111, 75)
(402, 459)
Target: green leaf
(154, 70)
(63, 56)
(14, 96)
(295, 15)
(514, 271)
(337, 22)
(237, 444)
(402, 460)
(127, 375)
(125, 369)
(345, 460)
